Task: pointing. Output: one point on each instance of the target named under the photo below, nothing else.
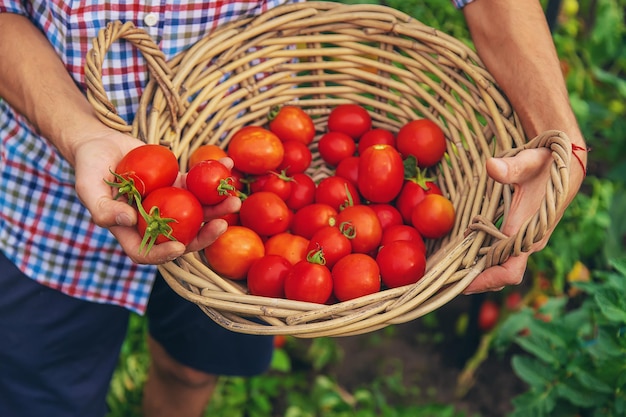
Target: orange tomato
(206, 153)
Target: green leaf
(591, 382)
(534, 403)
(577, 395)
(532, 371)
(281, 361)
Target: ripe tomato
(381, 173)
(376, 137)
(297, 157)
(144, 169)
(411, 195)
(337, 192)
(309, 219)
(514, 301)
(335, 146)
(333, 243)
(434, 216)
(255, 150)
(266, 276)
(401, 262)
(366, 229)
(292, 123)
(387, 214)
(265, 213)
(351, 119)
(488, 315)
(348, 168)
(206, 153)
(310, 282)
(423, 139)
(289, 246)
(210, 181)
(402, 232)
(173, 214)
(278, 183)
(355, 275)
(232, 254)
(302, 191)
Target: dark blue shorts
(58, 353)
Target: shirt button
(151, 19)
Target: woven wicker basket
(317, 55)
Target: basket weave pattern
(317, 55)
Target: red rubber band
(580, 161)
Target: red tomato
(387, 214)
(488, 315)
(173, 214)
(144, 169)
(210, 181)
(231, 218)
(402, 232)
(514, 301)
(279, 184)
(411, 195)
(297, 157)
(265, 213)
(337, 192)
(366, 229)
(423, 139)
(348, 168)
(206, 153)
(381, 173)
(335, 146)
(289, 246)
(237, 177)
(232, 254)
(255, 150)
(401, 262)
(309, 219)
(256, 182)
(266, 276)
(355, 275)
(376, 137)
(292, 123)
(333, 243)
(351, 119)
(302, 191)
(434, 216)
(310, 282)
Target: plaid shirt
(44, 229)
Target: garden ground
(429, 354)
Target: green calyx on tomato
(155, 226)
(125, 187)
(412, 172)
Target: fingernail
(123, 219)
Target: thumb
(519, 168)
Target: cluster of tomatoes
(360, 228)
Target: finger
(496, 277)
(519, 168)
(208, 234)
(130, 239)
(106, 211)
(231, 204)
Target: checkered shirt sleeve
(44, 228)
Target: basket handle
(157, 66)
(536, 227)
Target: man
(71, 268)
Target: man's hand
(528, 172)
(94, 158)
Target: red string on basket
(580, 161)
